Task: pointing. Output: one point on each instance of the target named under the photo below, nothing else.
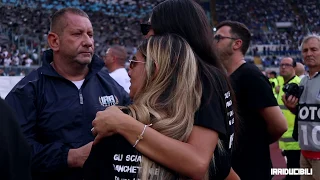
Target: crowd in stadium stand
(262, 15)
(24, 25)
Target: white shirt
(7, 62)
(78, 83)
(16, 60)
(121, 76)
(5, 53)
(302, 76)
(28, 62)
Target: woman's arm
(190, 159)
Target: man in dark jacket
(56, 103)
(15, 156)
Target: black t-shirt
(15, 154)
(216, 113)
(115, 158)
(212, 112)
(112, 158)
(251, 155)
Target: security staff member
(289, 146)
(280, 83)
(274, 82)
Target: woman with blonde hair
(166, 92)
(215, 120)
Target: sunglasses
(145, 28)
(134, 62)
(218, 37)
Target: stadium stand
(24, 27)
(277, 27)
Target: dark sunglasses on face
(145, 28)
(218, 37)
(134, 62)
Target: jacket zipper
(80, 96)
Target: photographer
(289, 146)
(307, 124)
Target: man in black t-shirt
(262, 122)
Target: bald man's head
(58, 22)
(299, 69)
(120, 53)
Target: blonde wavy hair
(170, 96)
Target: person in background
(300, 71)
(287, 144)
(262, 122)
(307, 107)
(2, 73)
(115, 60)
(280, 82)
(274, 82)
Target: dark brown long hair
(187, 19)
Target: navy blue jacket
(56, 116)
